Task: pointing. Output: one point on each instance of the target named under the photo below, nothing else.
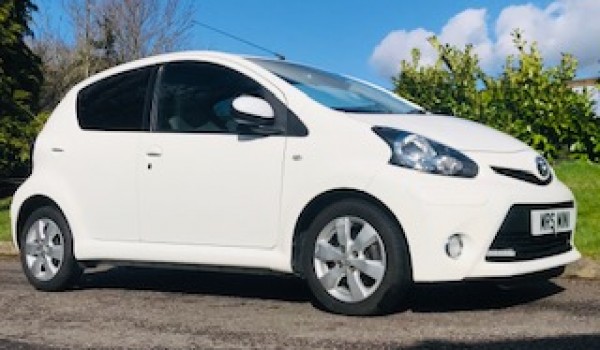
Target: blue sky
(366, 39)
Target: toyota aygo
(213, 159)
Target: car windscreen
(336, 91)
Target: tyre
(46, 250)
(356, 260)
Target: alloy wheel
(44, 249)
(349, 259)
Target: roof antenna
(278, 55)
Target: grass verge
(583, 178)
(4, 219)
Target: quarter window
(116, 103)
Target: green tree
(447, 87)
(20, 80)
(527, 100)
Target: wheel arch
(29, 206)
(325, 199)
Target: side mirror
(252, 110)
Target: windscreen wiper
(417, 111)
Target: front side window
(197, 97)
(116, 103)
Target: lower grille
(514, 241)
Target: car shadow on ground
(571, 342)
(471, 296)
(423, 298)
(184, 281)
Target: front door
(203, 182)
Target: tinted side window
(116, 103)
(197, 97)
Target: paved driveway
(145, 308)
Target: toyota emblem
(542, 167)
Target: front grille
(522, 175)
(514, 241)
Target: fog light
(454, 246)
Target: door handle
(154, 152)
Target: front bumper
(431, 208)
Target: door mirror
(253, 110)
(254, 115)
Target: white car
(214, 159)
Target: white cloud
(470, 27)
(466, 27)
(397, 46)
(564, 26)
(570, 26)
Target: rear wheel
(46, 246)
(356, 259)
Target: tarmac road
(157, 308)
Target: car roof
(167, 57)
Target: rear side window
(116, 103)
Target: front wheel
(356, 259)
(46, 247)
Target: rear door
(102, 159)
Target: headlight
(419, 153)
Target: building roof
(584, 82)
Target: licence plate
(552, 221)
